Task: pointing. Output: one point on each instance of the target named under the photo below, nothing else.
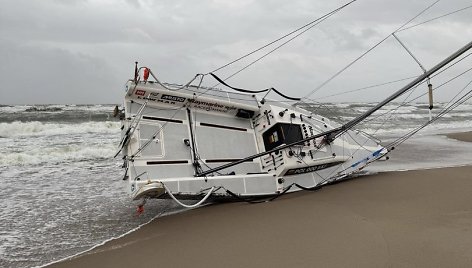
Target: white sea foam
(401, 109)
(58, 154)
(56, 108)
(162, 214)
(437, 127)
(36, 128)
(13, 109)
(89, 108)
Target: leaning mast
(331, 134)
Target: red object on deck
(146, 74)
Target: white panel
(217, 143)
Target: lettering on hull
(296, 171)
(193, 103)
(173, 98)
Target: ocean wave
(36, 128)
(56, 108)
(404, 108)
(43, 109)
(58, 154)
(396, 130)
(13, 108)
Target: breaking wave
(58, 154)
(43, 109)
(35, 128)
(55, 108)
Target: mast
(331, 134)
(413, 83)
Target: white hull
(169, 137)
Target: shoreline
(425, 221)
(395, 218)
(461, 136)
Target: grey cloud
(51, 75)
(94, 43)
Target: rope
(314, 188)
(254, 91)
(188, 206)
(252, 201)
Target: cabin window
(281, 133)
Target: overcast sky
(83, 51)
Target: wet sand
(398, 219)
(463, 136)
(395, 219)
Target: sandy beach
(395, 219)
(461, 136)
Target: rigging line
(280, 38)
(320, 105)
(440, 72)
(433, 89)
(443, 70)
(271, 51)
(339, 130)
(426, 21)
(380, 115)
(365, 53)
(442, 113)
(411, 133)
(459, 93)
(312, 101)
(329, 176)
(140, 149)
(448, 81)
(367, 87)
(423, 94)
(276, 48)
(357, 149)
(390, 115)
(402, 91)
(403, 104)
(396, 108)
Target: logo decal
(173, 98)
(140, 92)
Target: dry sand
(395, 219)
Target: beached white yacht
(193, 142)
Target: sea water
(62, 191)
